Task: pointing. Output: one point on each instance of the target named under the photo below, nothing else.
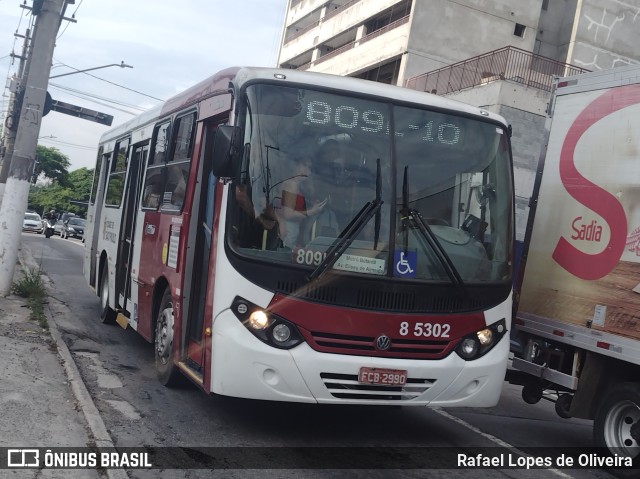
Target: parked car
(74, 227)
(32, 222)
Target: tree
(51, 164)
(63, 198)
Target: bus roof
(365, 87)
(241, 75)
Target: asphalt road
(117, 367)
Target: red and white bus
(292, 236)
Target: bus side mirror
(224, 153)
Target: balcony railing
(509, 63)
(364, 39)
(331, 13)
(335, 11)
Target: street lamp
(122, 64)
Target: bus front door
(201, 296)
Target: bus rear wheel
(107, 315)
(166, 369)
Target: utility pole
(49, 15)
(11, 122)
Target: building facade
(394, 40)
(498, 54)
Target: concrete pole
(10, 133)
(16, 193)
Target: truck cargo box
(582, 252)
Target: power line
(73, 15)
(113, 83)
(92, 95)
(73, 145)
(100, 103)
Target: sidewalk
(43, 400)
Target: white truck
(578, 287)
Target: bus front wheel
(168, 373)
(107, 315)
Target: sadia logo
(583, 231)
(603, 204)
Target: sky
(170, 45)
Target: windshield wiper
(353, 229)
(429, 236)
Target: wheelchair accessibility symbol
(404, 263)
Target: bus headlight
(258, 319)
(476, 345)
(266, 326)
(281, 333)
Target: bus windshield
(312, 160)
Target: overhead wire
(92, 95)
(73, 15)
(92, 100)
(71, 145)
(111, 83)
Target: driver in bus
(295, 206)
(335, 180)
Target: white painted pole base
(14, 205)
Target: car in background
(32, 222)
(73, 228)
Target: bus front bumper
(243, 366)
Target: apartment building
(498, 54)
(393, 40)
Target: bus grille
(346, 386)
(379, 299)
(365, 345)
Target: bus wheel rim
(105, 294)
(164, 335)
(617, 431)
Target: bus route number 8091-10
(426, 330)
(308, 257)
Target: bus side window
(119, 166)
(176, 186)
(152, 188)
(179, 164)
(154, 179)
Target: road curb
(78, 387)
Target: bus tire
(617, 421)
(108, 315)
(166, 368)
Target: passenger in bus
(294, 206)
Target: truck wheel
(617, 422)
(108, 315)
(532, 392)
(168, 373)
(563, 404)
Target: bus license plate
(383, 377)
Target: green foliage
(59, 197)
(32, 287)
(52, 164)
